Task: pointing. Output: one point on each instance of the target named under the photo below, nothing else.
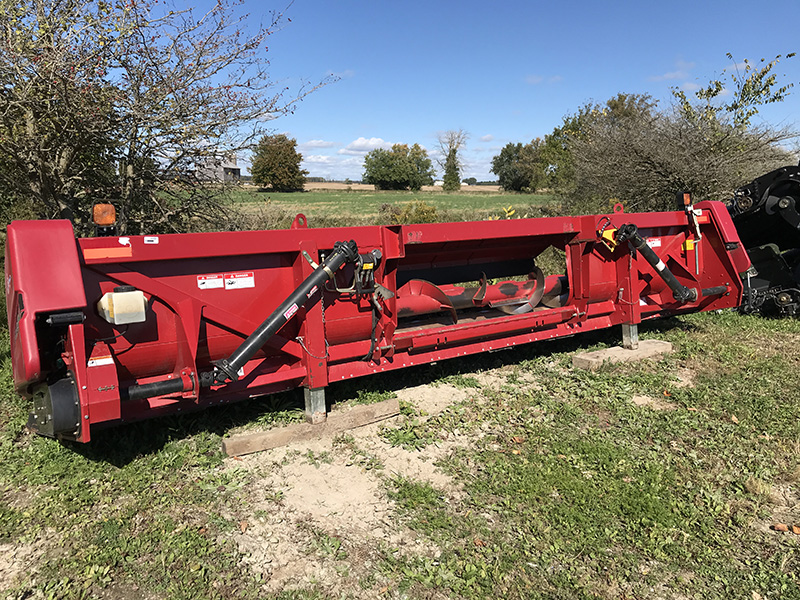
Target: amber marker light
(104, 215)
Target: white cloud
(334, 167)
(487, 138)
(346, 74)
(363, 145)
(310, 144)
(681, 71)
(319, 159)
(669, 76)
(690, 86)
(537, 79)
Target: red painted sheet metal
(453, 289)
(43, 276)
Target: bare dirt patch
(654, 403)
(18, 558)
(784, 499)
(318, 512)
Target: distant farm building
(218, 168)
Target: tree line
(276, 164)
(139, 104)
(629, 149)
(633, 150)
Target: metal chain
(300, 340)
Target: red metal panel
(43, 276)
(440, 298)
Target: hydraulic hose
(227, 369)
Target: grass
(569, 489)
(347, 208)
(578, 493)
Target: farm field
(507, 475)
(362, 204)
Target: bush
(416, 211)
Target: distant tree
(470, 181)
(519, 167)
(507, 167)
(122, 100)
(450, 144)
(276, 164)
(452, 172)
(400, 168)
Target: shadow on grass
(123, 444)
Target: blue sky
(501, 71)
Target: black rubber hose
(630, 233)
(227, 369)
(714, 291)
(151, 390)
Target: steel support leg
(316, 410)
(630, 336)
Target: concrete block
(647, 349)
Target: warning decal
(241, 280)
(99, 361)
(210, 282)
(290, 311)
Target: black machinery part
(766, 213)
(56, 409)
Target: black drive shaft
(227, 369)
(630, 233)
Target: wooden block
(337, 421)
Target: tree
(400, 168)
(122, 101)
(549, 163)
(519, 168)
(470, 181)
(631, 151)
(450, 144)
(276, 164)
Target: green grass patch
(576, 492)
(325, 208)
(562, 487)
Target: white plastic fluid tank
(122, 306)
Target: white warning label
(99, 361)
(241, 280)
(210, 282)
(654, 242)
